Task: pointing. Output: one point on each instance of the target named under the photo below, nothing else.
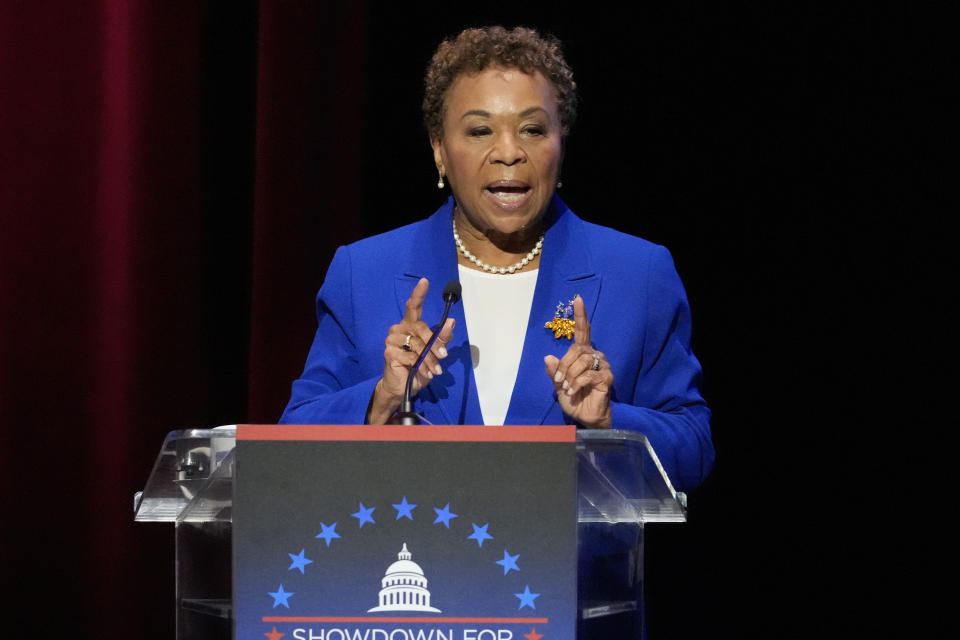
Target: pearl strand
(489, 268)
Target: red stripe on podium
(407, 433)
(407, 620)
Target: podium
(621, 486)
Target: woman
(497, 107)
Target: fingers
(581, 329)
(553, 363)
(414, 336)
(568, 371)
(588, 378)
(401, 369)
(576, 371)
(403, 345)
(414, 307)
(570, 359)
(413, 310)
(443, 338)
(439, 349)
(582, 378)
(396, 355)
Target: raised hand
(402, 347)
(583, 377)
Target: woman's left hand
(583, 377)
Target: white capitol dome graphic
(404, 586)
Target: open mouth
(508, 191)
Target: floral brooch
(562, 323)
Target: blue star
(527, 598)
(444, 515)
(328, 533)
(480, 534)
(404, 509)
(280, 597)
(299, 562)
(508, 562)
(364, 515)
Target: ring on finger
(596, 361)
(406, 345)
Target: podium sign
(405, 533)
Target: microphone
(451, 294)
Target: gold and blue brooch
(562, 323)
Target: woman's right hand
(397, 360)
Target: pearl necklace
(489, 268)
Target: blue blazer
(634, 298)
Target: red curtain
(170, 196)
(310, 122)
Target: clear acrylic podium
(621, 487)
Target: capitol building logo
(404, 587)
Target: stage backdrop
(175, 176)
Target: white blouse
(497, 309)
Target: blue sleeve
(666, 405)
(333, 388)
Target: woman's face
(501, 147)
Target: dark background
(175, 176)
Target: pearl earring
(440, 180)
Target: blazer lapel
(566, 270)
